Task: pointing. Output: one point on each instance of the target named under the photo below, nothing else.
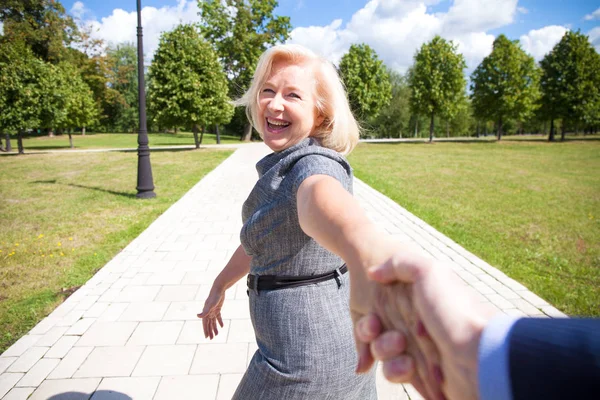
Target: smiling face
(286, 105)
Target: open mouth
(276, 125)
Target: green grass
(66, 215)
(531, 209)
(116, 141)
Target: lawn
(66, 215)
(116, 140)
(531, 209)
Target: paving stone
(61, 347)
(193, 333)
(166, 278)
(52, 336)
(18, 393)
(548, 310)
(70, 363)
(96, 310)
(526, 307)
(126, 388)
(22, 345)
(155, 333)
(177, 293)
(110, 362)
(188, 387)
(44, 325)
(228, 383)
(81, 326)
(500, 301)
(38, 372)
(131, 294)
(5, 362)
(107, 334)
(113, 312)
(165, 361)
(236, 309)
(8, 381)
(220, 358)
(183, 311)
(241, 331)
(534, 299)
(66, 389)
(28, 359)
(147, 311)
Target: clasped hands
(425, 327)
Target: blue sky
(395, 28)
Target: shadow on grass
(99, 189)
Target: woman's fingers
(389, 345)
(399, 369)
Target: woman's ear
(319, 119)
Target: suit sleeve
(555, 358)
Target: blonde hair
(339, 130)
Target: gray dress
(304, 334)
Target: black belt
(274, 282)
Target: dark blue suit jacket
(555, 359)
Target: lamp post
(145, 185)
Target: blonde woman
(302, 231)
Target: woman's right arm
(236, 268)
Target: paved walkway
(131, 332)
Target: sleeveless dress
(304, 334)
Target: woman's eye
(267, 90)
(294, 95)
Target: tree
(437, 81)
(393, 119)
(570, 82)
(240, 31)
(367, 81)
(23, 80)
(187, 82)
(505, 85)
(42, 25)
(122, 62)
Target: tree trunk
(83, 131)
(50, 132)
(195, 131)
(8, 144)
(551, 135)
(545, 127)
(431, 128)
(416, 126)
(1, 144)
(70, 139)
(499, 132)
(486, 129)
(176, 130)
(562, 131)
(202, 133)
(478, 122)
(247, 133)
(447, 129)
(20, 143)
(217, 133)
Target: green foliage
(570, 81)
(42, 25)
(367, 81)
(394, 118)
(240, 31)
(80, 108)
(437, 81)
(187, 82)
(506, 84)
(123, 78)
(23, 81)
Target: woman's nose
(276, 103)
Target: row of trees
(55, 77)
(509, 92)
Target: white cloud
(594, 36)
(592, 16)
(121, 25)
(539, 42)
(397, 28)
(78, 10)
(522, 10)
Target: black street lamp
(145, 185)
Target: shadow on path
(97, 395)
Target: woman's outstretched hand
(211, 313)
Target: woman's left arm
(333, 218)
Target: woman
(301, 224)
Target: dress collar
(272, 159)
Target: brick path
(132, 331)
